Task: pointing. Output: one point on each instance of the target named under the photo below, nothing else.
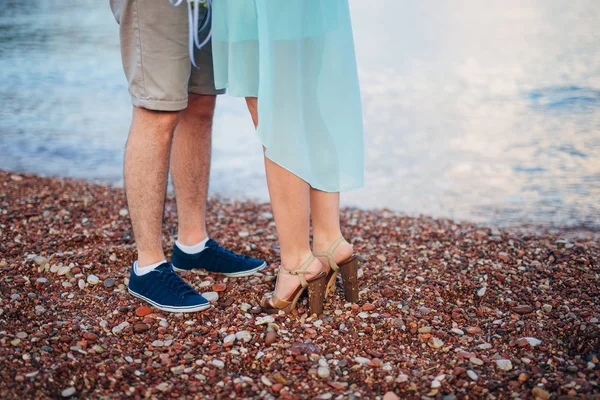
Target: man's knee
(160, 121)
(200, 106)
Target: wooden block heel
(349, 271)
(316, 295)
(347, 268)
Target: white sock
(139, 271)
(197, 248)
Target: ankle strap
(300, 272)
(329, 253)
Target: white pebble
(471, 374)
(244, 335)
(93, 279)
(229, 339)
(323, 372)
(266, 381)
(264, 320)
(211, 296)
(504, 365)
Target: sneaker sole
(187, 309)
(231, 274)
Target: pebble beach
(447, 310)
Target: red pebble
(219, 287)
(368, 307)
(143, 311)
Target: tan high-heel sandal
(348, 269)
(272, 304)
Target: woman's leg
(325, 212)
(290, 199)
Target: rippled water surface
(485, 111)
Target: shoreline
(446, 308)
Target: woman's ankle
(323, 241)
(294, 261)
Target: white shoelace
(193, 24)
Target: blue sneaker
(165, 290)
(214, 258)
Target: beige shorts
(154, 50)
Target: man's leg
(190, 167)
(146, 170)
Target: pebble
(219, 287)
(402, 378)
(363, 315)
(503, 256)
(54, 268)
(399, 323)
(211, 296)
(472, 375)
(139, 328)
(15, 342)
(547, 307)
(41, 261)
(40, 309)
(504, 365)
(362, 360)
(472, 330)
(21, 335)
(119, 328)
(368, 307)
(481, 292)
(245, 307)
(266, 381)
(484, 346)
(529, 341)
(143, 311)
(41, 280)
(93, 279)
(476, 361)
(323, 372)
(123, 212)
(424, 329)
(164, 386)
(244, 336)
(218, 363)
(229, 338)
(63, 271)
(81, 284)
(391, 396)
(264, 320)
(108, 282)
(457, 331)
(435, 343)
(523, 309)
(98, 349)
(68, 392)
(271, 338)
(541, 393)
(158, 343)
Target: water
(481, 111)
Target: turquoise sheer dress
(297, 57)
